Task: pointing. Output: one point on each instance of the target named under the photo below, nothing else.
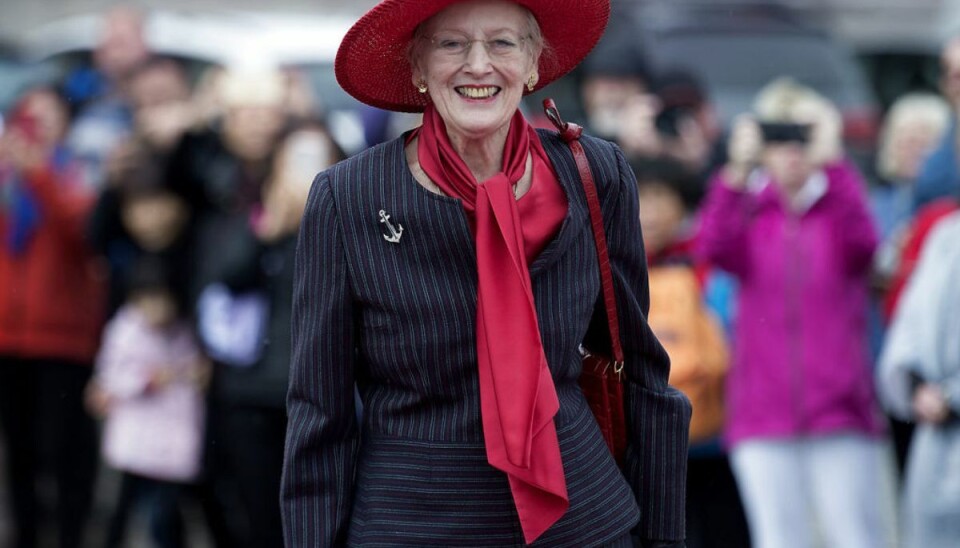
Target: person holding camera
(787, 216)
(52, 296)
(676, 123)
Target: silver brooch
(395, 231)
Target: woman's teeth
(478, 93)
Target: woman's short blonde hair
(786, 100)
(927, 109)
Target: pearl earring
(531, 82)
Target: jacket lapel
(577, 213)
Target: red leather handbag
(602, 377)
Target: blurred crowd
(797, 295)
(148, 223)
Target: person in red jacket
(51, 312)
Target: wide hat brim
(372, 65)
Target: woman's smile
(475, 93)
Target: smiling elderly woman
(451, 276)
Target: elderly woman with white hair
(788, 217)
(911, 130)
(451, 275)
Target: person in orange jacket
(693, 336)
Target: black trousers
(46, 431)
(161, 502)
(715, 517)
(245, 467)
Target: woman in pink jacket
(788, 217)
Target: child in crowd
(150, 376)
(149, 372)
(696, 343)
(139, 212)
(685, 326)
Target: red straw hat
(372, 65)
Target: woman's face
(154, 221)
(661, 216)
(162, 111)
(913, 141)
(788, 164)
(251, 131)
(476, 59)
(606, 100)
(50, 115)
(302, 155)
(157, 306)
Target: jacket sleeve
(67, 211)
(120, 369)
(724, 223)
(938, 175)
(915, 334)
(900, 354)
(322, 434)
(855, 231)
(658, 416)
(951, 389)
(240, 254)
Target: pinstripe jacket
(398, 320)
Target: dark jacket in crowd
(224, 195)
(245, 264)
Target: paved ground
(4, 520)
(108, 483)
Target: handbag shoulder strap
(570, 133)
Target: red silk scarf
(517, 397)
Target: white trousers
(833, 491)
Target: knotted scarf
(517, 397)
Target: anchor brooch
(395, 232)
